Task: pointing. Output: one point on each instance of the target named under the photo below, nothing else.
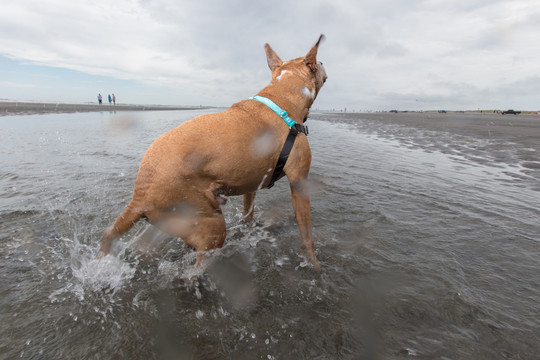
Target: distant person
(110, 99)
(114, 99)
(99, 99)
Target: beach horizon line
(11, 107)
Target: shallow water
(429, 245)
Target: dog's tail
(123, 223)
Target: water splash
(90, 275)
(111, 272)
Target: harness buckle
(297, 128)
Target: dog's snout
(322, 70)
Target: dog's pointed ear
(311, 58)
(273, 59)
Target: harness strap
(286, 150)
(294, 129)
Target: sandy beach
(524, 129)
(27, 108)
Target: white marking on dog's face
(283, 72)
(308, 93)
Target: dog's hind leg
(248, 206)
(208, 233)
(123, 223)
(201, 227)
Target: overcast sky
(379, 54)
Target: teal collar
(272, 105)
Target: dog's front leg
(248, 206)
(301, 206)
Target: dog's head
(307, 67)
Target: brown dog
(186, 172)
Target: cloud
(16, 84)
(377, 52)
(391, 51)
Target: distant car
(511, 111)
(394, 111)
(442, 111)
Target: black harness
(286, 150)
(294, 130)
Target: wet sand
(523, 129)
(28, 108)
